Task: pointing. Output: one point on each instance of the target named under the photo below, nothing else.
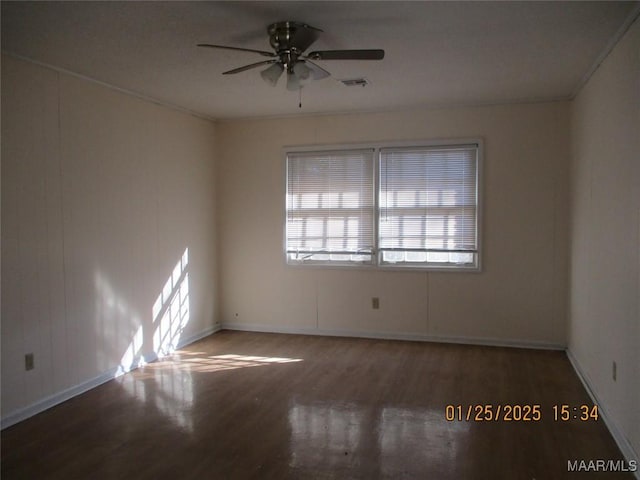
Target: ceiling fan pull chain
(300, 97)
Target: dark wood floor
(250, 405)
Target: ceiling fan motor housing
(290, 40)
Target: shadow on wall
(169, 317)
(171, 309)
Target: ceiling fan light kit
(272, 74)
(289, 41)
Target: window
(420, 208)
(330, 207)
(428, 206)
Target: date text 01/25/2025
(519, 413)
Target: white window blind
(428, 201)
(330, 207)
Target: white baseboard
(199, 336)
(410, 336)
(57, 398)
(618, 435)
(64, 395)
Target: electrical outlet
(375, 303)
(29, 363)
(614, 371)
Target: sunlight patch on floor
(217, 363)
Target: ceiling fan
(289, 41)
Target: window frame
(376, 263)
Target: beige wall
(101, 195)
(520, 296)
(604, 320)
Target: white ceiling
(437, 53)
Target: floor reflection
(322, 433)
(418, 437)
(168, 384)
(399, 441)
(169, 389)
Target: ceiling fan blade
(248, 67)
(347, 55)
(261, 52)
(316, 70)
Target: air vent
(355, 82)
